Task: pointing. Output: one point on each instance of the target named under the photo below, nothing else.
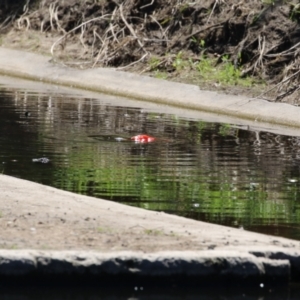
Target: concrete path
(83, 239)
(77, 237)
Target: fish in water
(143, 138)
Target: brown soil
(167, 37)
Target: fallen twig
(147, 5)
(133, 63)
(74, 29)
(213, 9)
(130, 27)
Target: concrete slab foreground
(172, 249)
(186, 268)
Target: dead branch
(130, 27)
(277, 85)
(160, 27)
(182, 39)
(74, 29)
(287, 93)
(213, 9)
(22, 18)
(133, 63)
(147, 5)
(261, 49)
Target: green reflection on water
(211, 172)
(172, 183)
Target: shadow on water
(139, 293)
(220, 173)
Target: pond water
(216, 172)
(291, 293)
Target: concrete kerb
(260, 265)
(40, 68)
(186, 268)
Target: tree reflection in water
(219, 173)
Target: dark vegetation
(258, 39)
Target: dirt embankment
(168, 38)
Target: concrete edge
(187, 268)
(40, 68)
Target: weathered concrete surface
(159, 247)
(151, 107)
(35, 216)
(37, 67)
(130, 267)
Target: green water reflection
(212, 172)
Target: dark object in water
(27, 114)
(42, 160)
